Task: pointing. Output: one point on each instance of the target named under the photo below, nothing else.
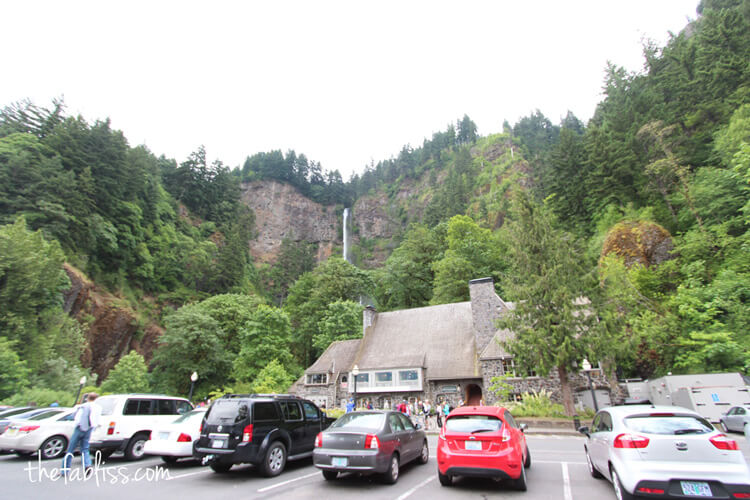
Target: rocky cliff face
(110, 326)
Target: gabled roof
(337, 357)
(494, 349)
(437, 338)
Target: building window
(363, 380)
(383, 379)
(509, 367)
(317, 378)
(408, 377)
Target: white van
(127, 421)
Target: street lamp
(587, 370)
(355, 373)
(80, 387)
(193, 378)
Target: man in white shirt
(87, 418)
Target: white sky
(343, 82)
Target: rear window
(138, 407)
(668, 424)
(107, 405)
(190, 416)
(265, 411)
(473, 423)
(371, 421)
(223, 411)
(46, 414)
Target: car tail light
(630, 441)
(741, 495)
(319, 440)
(184, 438)
(28, 428)
(653, 491)
(661, 415)
(505, 435)
(722, 442)
(111, 429)
(150, 435)
(247, 434)
(371, 442)
(200, 429)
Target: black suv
(265, 430)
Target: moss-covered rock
(639, 242)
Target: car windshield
(107, 404)
(473, 423)
(372, 421)
(668, 424)
(189, 416)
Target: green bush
(536, 404)
(40, 397)
(333, 412)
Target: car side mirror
(523, 427)
(584, 429)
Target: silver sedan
(665, 452)
(736, 418)
(370, 442)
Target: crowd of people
(420, 411)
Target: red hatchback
(483, 441)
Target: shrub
(536, 404)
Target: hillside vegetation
(632, 228)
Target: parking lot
(558, 471)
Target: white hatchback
(664, 452)
(174, 441)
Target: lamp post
(193, 378)
(80, 387)
(355, 373)
(587, 370)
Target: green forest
(623, 240)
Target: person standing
(87, 419)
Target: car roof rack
(271, 396)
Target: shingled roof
(337, 357)
(437, 338)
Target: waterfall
(346, 234)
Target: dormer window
(317, 379)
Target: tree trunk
(567, 394)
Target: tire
(53, 447)
(168, 459)
(391, 475)
(134, 449)
(527, 462)
(424, 456)
(444, 479)
(219, 467)
(330, 475)
(520, 483)
(620, 492)
(592, 470)
(275, 460)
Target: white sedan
(175, 440)
(664, 452)
(47, 432)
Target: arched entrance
(473, 395)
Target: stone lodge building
(445, 352)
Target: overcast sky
(342, 82)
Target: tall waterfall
(346, 234)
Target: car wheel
(425, 455)
(391, 475)
(445, 479)
(620, 491)
(527, 462)
(330, 475)
(168, 459)
(134, 450)
(592, 470)
(275, 460)
(520, 483)
(53, 447)
(220, 467)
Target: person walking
(87, 419)
(439, 414)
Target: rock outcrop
(639, 242)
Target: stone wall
(486, 308)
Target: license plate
(695, 488)
(339, 461)
(163, 435)
(218, 443)
(473, 445)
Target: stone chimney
(486, 308)
(368, 318)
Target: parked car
(175, 440)
(47, 432)
(265, 430)
(664, 452)
(735, 419)
(23, 415)
(128, 419)
(370, 442)
(483, 441)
